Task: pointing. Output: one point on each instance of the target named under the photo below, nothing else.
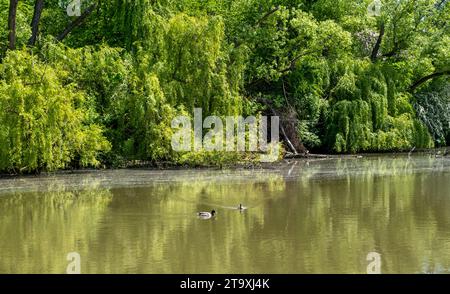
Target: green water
(304, 217)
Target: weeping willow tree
(188, 54)
(369, 115)
(341, 79)
(137, 93)
(165, 35)
(126, 21)
(349, 76)
(193, 66)
(44, 122)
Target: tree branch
(441, 4)
(283, 71)
(392, 52)
(377, 46)
(294, 60)
(78, 21)
(259, 22)
(285, 93)
(283, 132)
(424, 79)
(266, 16)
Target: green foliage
(24, 13)
(364, 120)
(433, 109)
(191, 63)
(43, 119)
(129, 102)
(122, 74)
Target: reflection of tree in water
(40, 229)
(310, 225)
(322, 217)
(397, 206)
(158, 231)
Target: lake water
(321, 216)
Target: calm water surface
(304, 217)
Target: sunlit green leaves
(132, 65)
(43, 119)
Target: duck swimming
(206, 215)
(241, 207)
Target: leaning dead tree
(288, 127)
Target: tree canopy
(102, 86)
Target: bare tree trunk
(38, 7)
(78, 21)
(12, 23)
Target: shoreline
(168, 166)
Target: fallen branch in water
(306, 155)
